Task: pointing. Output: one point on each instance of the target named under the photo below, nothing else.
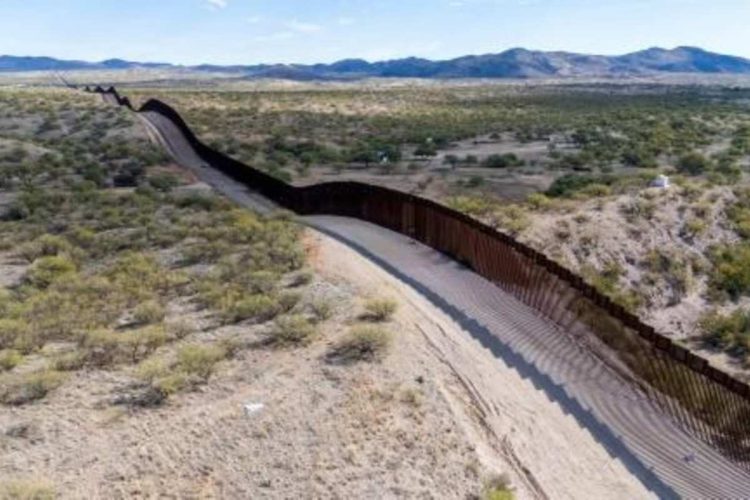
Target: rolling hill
(514, 63)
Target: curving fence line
(707, 403)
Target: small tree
(426, 150)
(693, 164)
(452, 160)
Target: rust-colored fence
(707, 402)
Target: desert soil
(433, 419)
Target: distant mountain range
(514, 63)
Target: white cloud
(346, 21)
(275, 37)
(302, 27)
(217, 4)
(254, 19)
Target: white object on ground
(661, 181)
(252, 408)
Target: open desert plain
(523, 274)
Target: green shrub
(502, 161)
(595, 190)
(70, 361)
(293, 329)
(498, 488)
(180, 329)
(727, 332)
(141, 343)
(302, 279)
(47, 245)
(694, 227)
(200, 360)
(471, 205)
(538, 201)
(362, 343)
(607, 281)
(9, 359)
(513, 219)
(693, 164)
(173, 383)
(104, 347)
(380, 309)
(163, 182)
(148, 312)
(152, 369)
(569, 184)
(288, 301)
(322, 309)
(23, 388)
(13, 332)
(46, 270)
(26, 490)
(731, 274)
(258, 307)
(139, 276)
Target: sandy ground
(512, 425)
(434, 419)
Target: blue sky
(305, 31)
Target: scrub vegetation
(106, 245)
(565, 168)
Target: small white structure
(662, 182)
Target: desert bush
(19, 389)
(200, 360)
(595, 190)
(674, 269)
(322, 309)
(292, 330)
(26, 490)
(153, 368)
(288, 301)
(138, 276)
(173, 383)
(362, 343)
(46, 270)
(302, 278)
(148, 312)
(739, 212)
(180, 329)
(694, 227)
(607, 281)
(258, 307)
(141, 343)
(69, 361)
(538, 201)
(471, 205)
(380, 309)
(693, 164)
(164, 182)
(502, 161)
(255, 282)
(205, 252)
(9, 359)
(498, 488)
(13, 332)
(731, 273)
(511, 218)
(569, 184)
(728, 332)
(47, 245)
(104, 347)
